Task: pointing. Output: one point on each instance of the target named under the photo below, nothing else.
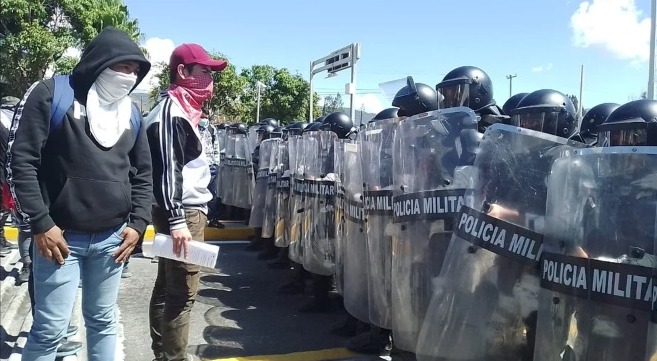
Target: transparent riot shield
(431, 178)
(296, 156)
(221, 146)
(283, 221)
(269, 217)
(262, 183)
(339, 215)
(485, 300)
(354, 249)
(228, 169)
(253, 136)
(320, 192)
(599, 256)
(243, 177)
(376, 144)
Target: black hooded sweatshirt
(72, 181)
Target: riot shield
(320, 192)
(243, 178)
(221, 146)
(296, 156)
(376, 144)
(340, 237)
(283, 215)
(261, 183)
(253, 136)
(599, 256)
(269, 216)
(354, 243)
(228, 170)
(429, 176)
(485, 299)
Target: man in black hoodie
(85, 190)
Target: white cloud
(371, 102)
(541, 68)
(616, 25)
(159, 50)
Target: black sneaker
(24, 274)
(68, 348)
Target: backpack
(62, 99)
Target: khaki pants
(174, 293)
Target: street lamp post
(259, 85)
(335, 62)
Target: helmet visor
(624, 137)
(453, 95)
(541, 121)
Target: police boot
(345, 328)
(257, 243)
(320, 302)
(282, 262)
(270, 252)
(375, 342)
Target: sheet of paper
(200, 253)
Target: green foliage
(35, 34)
(65, 64)
(284, 97)
(332, 104)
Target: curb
(229, 233)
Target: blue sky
(544, 42)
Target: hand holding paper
(199, 253)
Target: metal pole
(258, 110)
(510, 77)
(310, 101)
(352, 110)
(651, 67)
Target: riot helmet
(320, 119)
(264, 132)
(340, 124)
(547, 111)
(269, 121)
(415, 98)
(296, 128)
(385, 114)
(277, 132)
(631, 124)
(588, 129)
(313, 127)
(466, 86)
(239, 128)
(221, 126)
(512, 103)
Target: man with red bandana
(181, 175)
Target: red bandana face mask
(191, 93)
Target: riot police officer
(588, 129)
(469, 86)
(603, 208)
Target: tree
(35, 34)
(65, 64)
(228, 91)
(332, 104)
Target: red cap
(194, 54)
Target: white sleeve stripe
(12, 136)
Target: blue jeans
(55, 288)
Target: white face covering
(109, 107)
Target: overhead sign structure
(333, 63)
